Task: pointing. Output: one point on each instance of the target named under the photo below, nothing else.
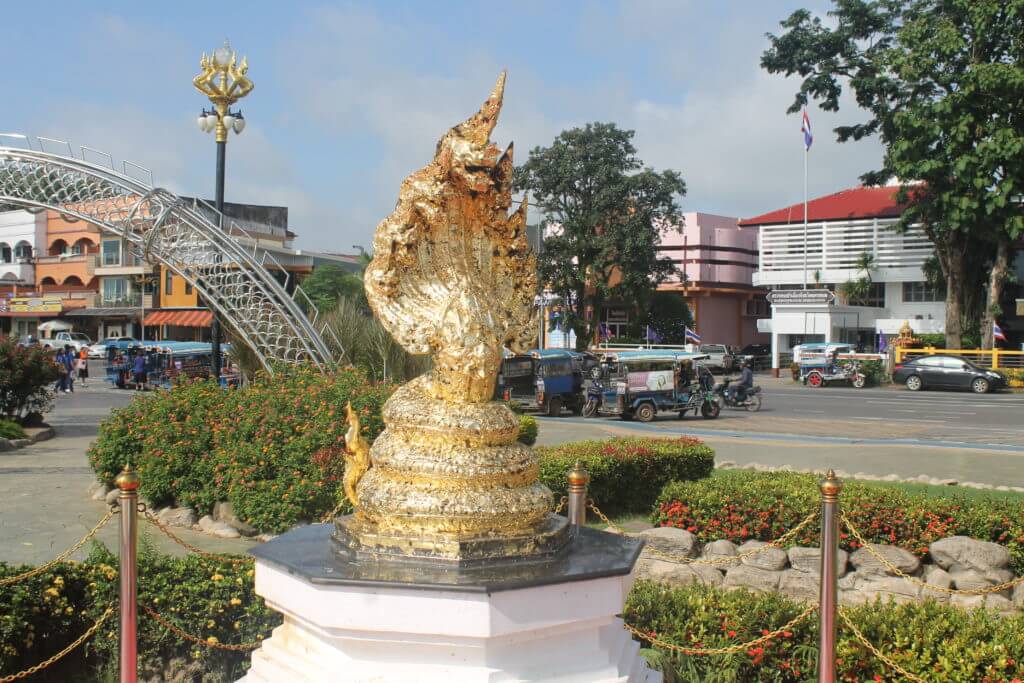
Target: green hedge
(935, 641)
(11, 430)
(209, 599)
(527, 430)
(626, 474)
(741, 505)
(272, 448)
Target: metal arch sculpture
(160, 226)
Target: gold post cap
(831, 485)
(578, 475)
(128, 480)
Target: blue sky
(351, 97)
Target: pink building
(719, 258)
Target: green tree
(942, 82)
(669, 315)
(856, 291)
(605, 213)
(330, 283)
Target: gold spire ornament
(452, 275)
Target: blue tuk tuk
(644, 383)
(545, 380)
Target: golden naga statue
(357, 455)
(452, 276)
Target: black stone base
(309, 552)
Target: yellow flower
(217, 577)
(236, 601)
(212, 640)
(58, 581)
(52, 591)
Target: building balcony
(133, 300)
(123, 268)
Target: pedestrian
(139, 370)
(83, 365)
(69, 364)
(62, 379)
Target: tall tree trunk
(954, 266)
(996, 281)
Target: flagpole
(805, 215)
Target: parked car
(718, 356)
(99, 349)
(947, 372)
(544, 380)
(75, 340)
(758, 355)
(27, 340)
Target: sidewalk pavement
(44, 501)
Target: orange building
(69, 256)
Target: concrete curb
(33, 434)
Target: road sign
(801, 297)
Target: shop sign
(24, 304)
(801, 297)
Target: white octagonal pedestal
(413, 626)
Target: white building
(841, 228)
(20, 233)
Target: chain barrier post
(128, 483)
(830, 488)
(578, 480)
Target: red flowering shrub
(741, 506)
(272, 448)
(626, 474)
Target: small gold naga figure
(452, 276)
(357, 455)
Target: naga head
(452, 274)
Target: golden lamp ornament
(452, 275)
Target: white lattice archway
(161, 227)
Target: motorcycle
(727, 395)
(595, 390)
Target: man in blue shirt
(139, 371)
(61, 384)
(746, 383)
(69, 366)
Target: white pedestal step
(556, 633)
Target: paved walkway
(44, 502)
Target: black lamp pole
(215, 335)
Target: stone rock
(21, 443)
(891, 477)
(215, 528)
(1018, 596)
(997, 602)
(969, 553)
(38, 434)
(111, 496)
(264, 538)
(772, 559)
(924, 479)
(98, 490)
(676, 573)
(6, 445)
(800, 585)
(866, 563)
(948, 482)
(224, 512)
(809, 560)
(671, 540)
(745, 576)
(725, 464)
(969, 579)
(719, 549)
(937, 576)
(183, 517)
(887, 588)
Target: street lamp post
(224, 81)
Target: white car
(75, 340)
(99, 349)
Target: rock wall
(956, 562)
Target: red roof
(857, 202)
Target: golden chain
(63, 556)
(998, 588)
(611, 525)
(188, 546)
(729, 650)
(214, 643)
(875, 651)
(49, 662)
(733, 559)
(561, 504)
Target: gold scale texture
(452, 275)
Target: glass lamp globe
(211, 121)
(239, 123)
(229, 121)
(222, 55)
(201, 121)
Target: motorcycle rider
(746, 382)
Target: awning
(179, 318)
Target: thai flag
(653, 336)
(691, 336)
(805, 128)
(997, 332)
